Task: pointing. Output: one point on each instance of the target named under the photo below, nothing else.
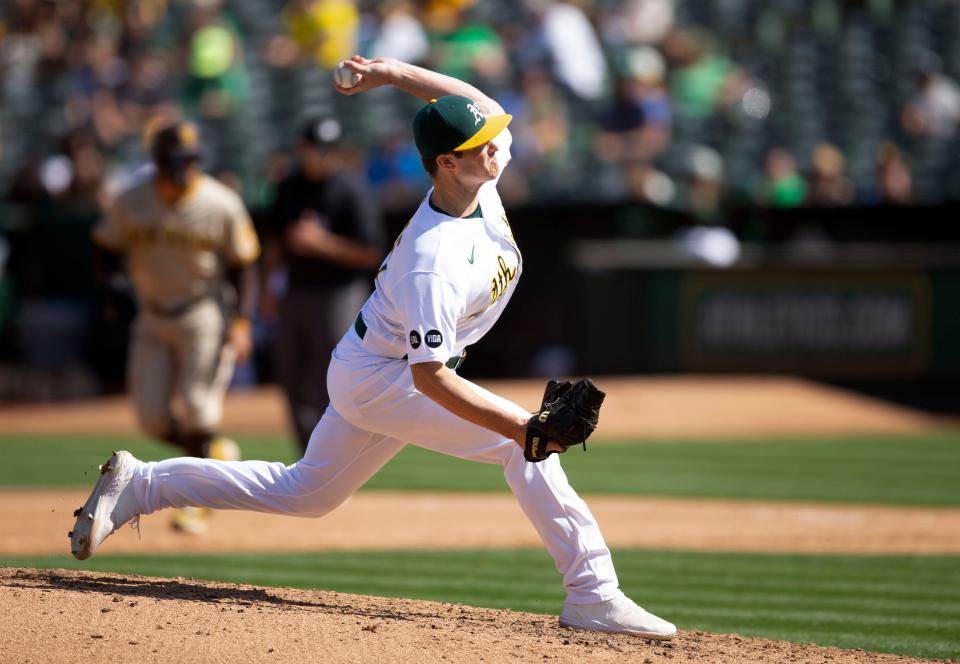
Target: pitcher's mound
(70, 616)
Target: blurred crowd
(686, 104)
(700, 107)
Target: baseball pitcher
(392, 379)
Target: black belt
(360, 327)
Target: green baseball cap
(454, 124)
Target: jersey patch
(415, 339)
(434, 338)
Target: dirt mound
(67, 616)
(389, 520)
(636, 408)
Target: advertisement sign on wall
(816, 323)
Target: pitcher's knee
(517, 468)
(312, 494)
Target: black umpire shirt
(345, 206)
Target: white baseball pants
(374, 412)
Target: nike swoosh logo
(472, 249)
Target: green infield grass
(898, 604)
(906, 470)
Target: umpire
(330, 234)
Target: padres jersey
(178, 253)
(446, 281)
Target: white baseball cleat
(111, 505)
(620, 615)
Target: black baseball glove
(568, 415)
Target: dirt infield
(63, 616)
(382, 520)
(635, 408)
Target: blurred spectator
(638, 22)
(705, 189)
(544, 114)
(95, 84)
(782, 185)
(647, 184)
(829, 186)
(401, 34)
(141, 21)
(148, 91)
(637, 126)
(464, 48)
(216, 82)
(27, 187)
(70, 177)
(20, 47)
(934, 111)
(893, 184)
(324, 31)
(88, 167)
(702, 81)
(395, 169)
(575, 52)
(55, 22)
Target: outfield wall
(857, 295)
(865, 323)
(864, 295)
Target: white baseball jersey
(446, 281)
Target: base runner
(184, 236)
(393, 381)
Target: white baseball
(346, 77)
